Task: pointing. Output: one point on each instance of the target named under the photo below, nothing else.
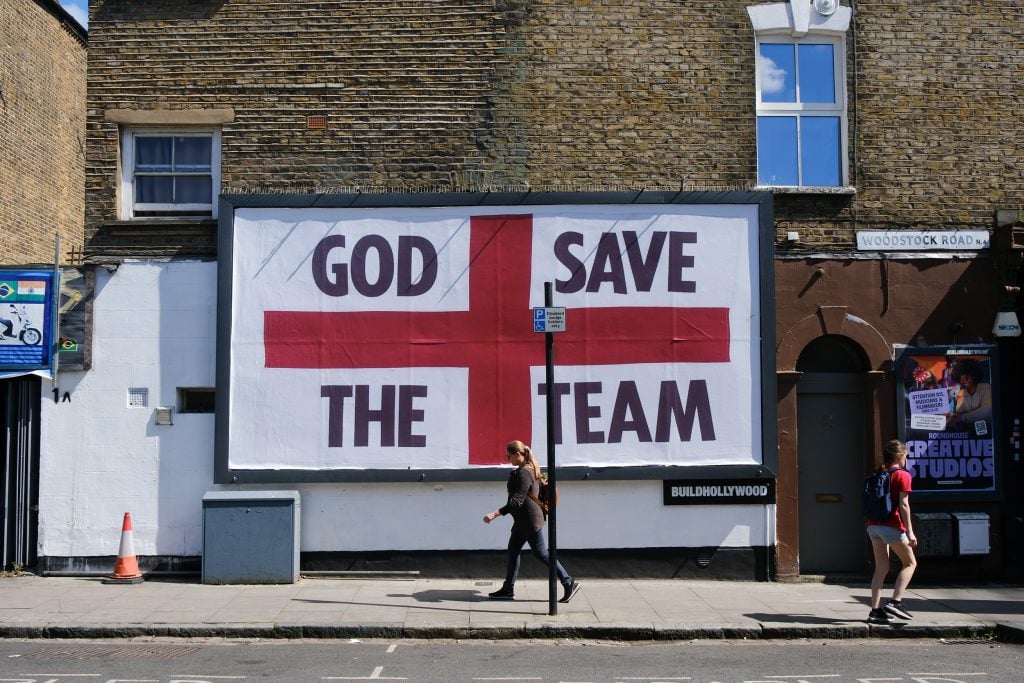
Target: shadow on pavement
(795, 619)
(973, 606)
(446, 596)
(432, 596)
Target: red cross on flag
(402, 338)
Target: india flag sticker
(32, 289)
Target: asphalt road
(320, 661)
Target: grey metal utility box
(972, 533)
(934, 531)
(251, 537)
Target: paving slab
(379, 607)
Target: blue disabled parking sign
(549, 319)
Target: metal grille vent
(138, 397)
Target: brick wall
(42, 146)
(941, 109)
(566, 95)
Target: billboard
(947, 417)
(391, 338)
(26, 311)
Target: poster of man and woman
(947, 417)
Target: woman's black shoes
(502, 594)
(508, 594)
(879, 617)
(897, 609)
(570, 590)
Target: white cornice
(797, 18)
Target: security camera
(826, 8)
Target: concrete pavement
(414, 607)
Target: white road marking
(53, 676)
(391, 648)
(375, 676)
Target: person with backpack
(527, 522)
(889, 526)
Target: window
(170, 173)
(196, 400)
(801, 111)
(800, 76)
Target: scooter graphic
(14, 324)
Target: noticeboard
(947, 399)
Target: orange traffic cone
(126, 570)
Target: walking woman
(527, 521)
(897, 534)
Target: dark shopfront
(843, 324)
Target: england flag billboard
(400, 339)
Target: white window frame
(804, 21)
(801, 110)
(128, 207)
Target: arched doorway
(831, 406)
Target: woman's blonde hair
(892, 450)
(513, 447)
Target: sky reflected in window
(777, 65)
(817, 73)
(798, 145)
(819, 150)
(776, 151)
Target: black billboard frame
(228, 203)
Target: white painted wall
(154, 327)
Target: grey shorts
(886, 534)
